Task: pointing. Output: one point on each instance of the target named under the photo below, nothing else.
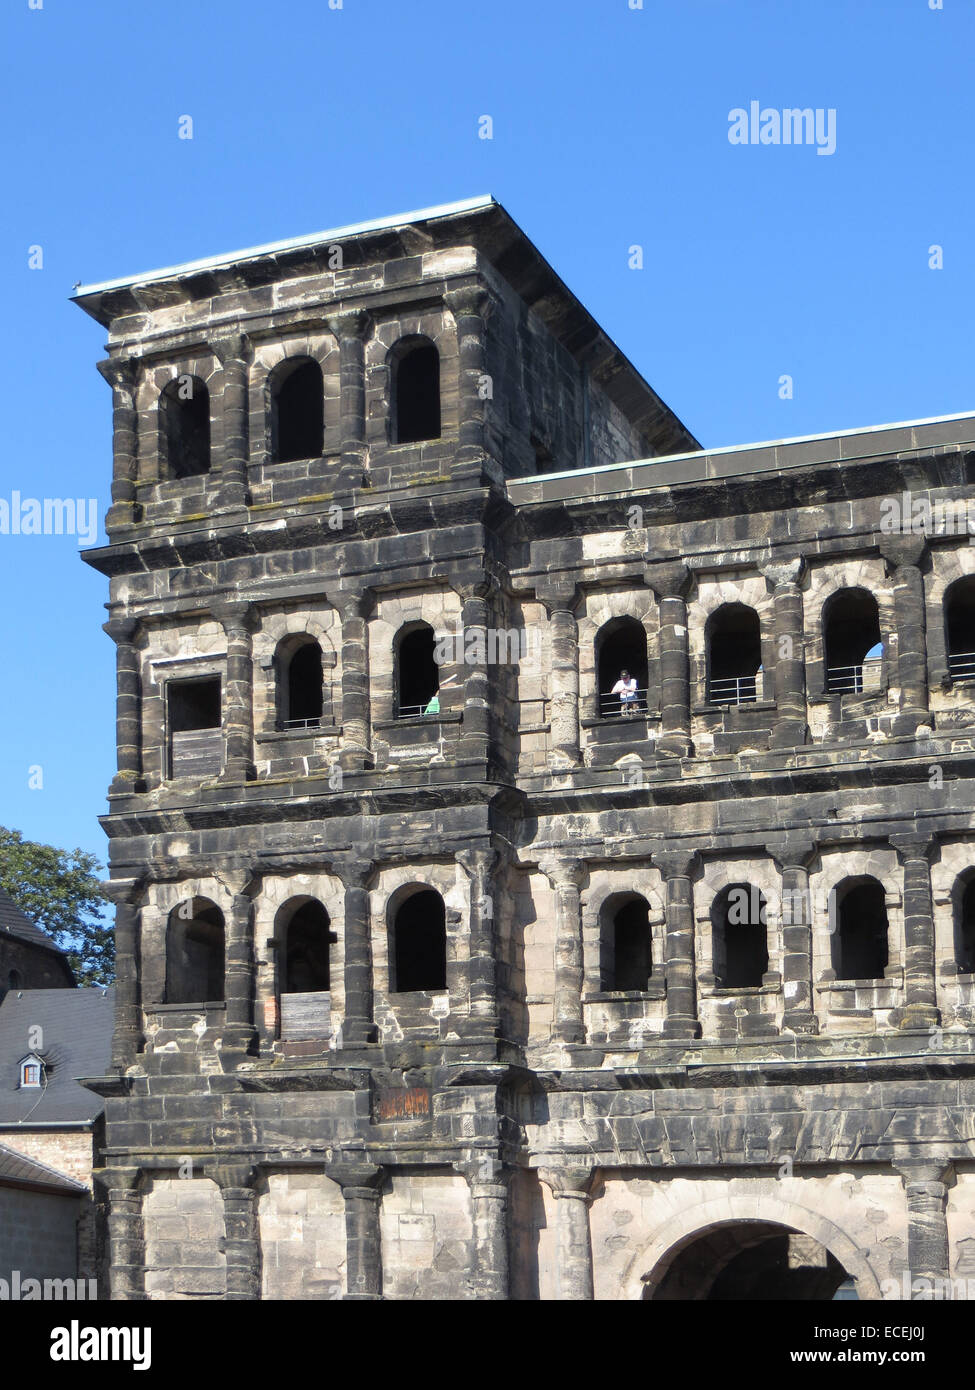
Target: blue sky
(610, 131)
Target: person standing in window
(625, 688)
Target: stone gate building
(444, 970)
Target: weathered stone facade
(445, 997)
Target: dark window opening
(960, 629)
(622, 660)
(852, 643)
(860, 949)
(304, 688)
(194, 704)
(184, 427)
(297, 412)
(306, 969)
(195, 953)
(15, 980)
(965, 930)
(545, 461)
(627, 964)
(420, 943)
(739, 937)
(418, 675)
(734, 655)
(416, 395)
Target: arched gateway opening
(749, 1260)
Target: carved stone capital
(900, 550)
(668, 580)
(353, 873)
(233, 613)
(925, 1172)
(122, 630)
(677, 863)
(232, 347)
(350, 603)
(914, 847)
(350, 324)
(123, 891)
(557, 593)
(574, 1181)
(470, 300)
(781, 572)
(121, 373)
(356, 1179)
(793, 854)
(232, 1175)
(563, 873)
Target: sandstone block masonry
(461, 980)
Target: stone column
(242, 1243)
(123, 377)
(240, 972)
(479, 864)
(470, 307)
(361, 1185)
(127, 1033)
(792, 861)
(904, 555)
(677, 868)
(790, 728)
(920, 989)
(571, 1190)
(559, 597)
(126, 1236)
(234, 353)
(487, 1179)
(128, 706)
(926, 1188)
(476, 735)
(352, 329)
(358, 1025)
(566, 877)
(671, 584)
(238, 704)
(353, 608)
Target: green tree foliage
(60, 891)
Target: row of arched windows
(296, 409)
(852, 648)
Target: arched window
(419, 955)
(15, 980)
(297, 410)
(184, 428)
(625, 949)
(852, 643)
(415, 388)
(734, 648)
(960, 628)
(300, 684)
(417, 675)
(859, 943)
(739, 937)
(621, 656)
(965, 928)
(194, 953)
(306, 950)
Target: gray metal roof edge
(291, 244)
(62, 1179)
(698, 454)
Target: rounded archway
(734, 1225)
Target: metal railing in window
(431, 709)
(855, 680)
(961, 666)
(614, 707)
(733, 690)
(285, 724)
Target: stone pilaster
(351, 330)
(353, 607)
(904, 555)
(127, 1039)
(234, 353)
(123, 377)
(559, 597)
(677, 868)
(671, 584)
(571, 1189)
(476, 730)
(790, 728)
(242, 1243)
(470, 307)
(358, 1025)
(792, 860)
(240, 973)
(920, 989)
(479, 865)
(126, 1236)
(128, 706)
(238, 704)
(566, 877)
(361, 1185)
(926, 1184)
(487, 1179)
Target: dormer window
(31, 1072)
